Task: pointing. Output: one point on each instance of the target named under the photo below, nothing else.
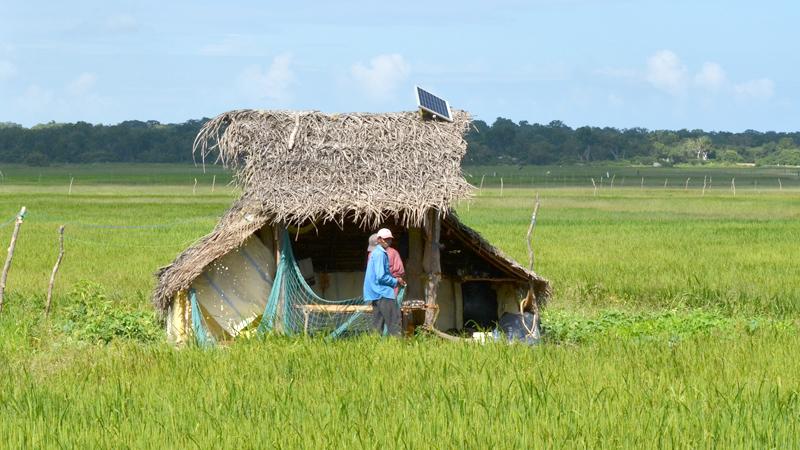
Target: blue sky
(715, 65)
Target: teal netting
(201, 334)
(294, 308)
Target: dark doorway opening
(480, 305)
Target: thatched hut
(328, 181)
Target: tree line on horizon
(503, 142)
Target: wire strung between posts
(117, 227)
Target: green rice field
(675, 315)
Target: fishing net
(293, 308)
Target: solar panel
(434, 105)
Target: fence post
(55, 270)
(10, 256)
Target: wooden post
(414, 269)
(10, 256)
(529, 236)
(431, 262)
(55, 270)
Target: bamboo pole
(55, 270)
(10, 256)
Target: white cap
(385, 233)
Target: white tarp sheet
(233, 290)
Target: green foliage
(90, 316)
(730, 156)
(36, 159)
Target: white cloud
(711, 77)
(272, 84)
(7, 70)
(121, 23)
(82, 85)
(666, 72)
(381, 78)
(760, 89)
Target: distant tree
(37, 159)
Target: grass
(674, 324)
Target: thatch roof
(305, 166)
(296, 167)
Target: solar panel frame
(426, 104)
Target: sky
(716, 65)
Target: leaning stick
(194, 188)
(531, 260)
(55, 269)
(595, 187)
(529, 236)
(10, 255)
(612, 181)
(71, 179)
(482, 177)
(686, 188)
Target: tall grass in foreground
(719, 393)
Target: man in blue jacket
(379, 287)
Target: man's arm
(384, 277)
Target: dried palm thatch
(309, 165)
